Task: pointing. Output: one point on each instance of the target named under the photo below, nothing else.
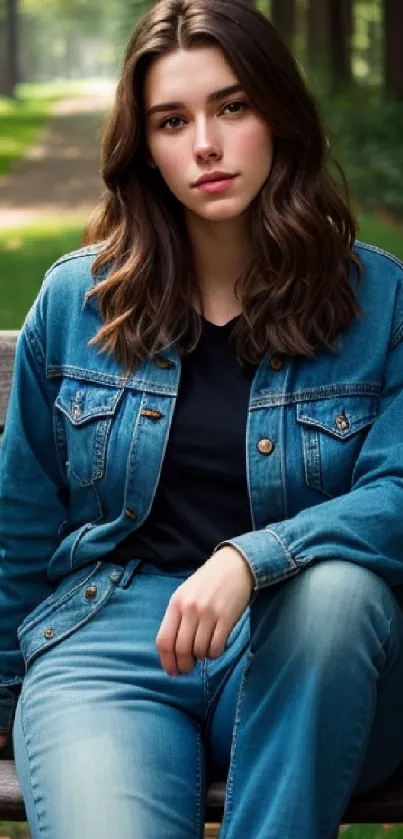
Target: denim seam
(375, 249)
(346, 773)
(382, 652)
(206, 687)
(73, 628)
(312, 394)
(65, 596)
(35, 345)
(58, 371)
(290, 559)
(89, 250)
(230, 779)
(35, 787)
(397, 336)
(199, 822)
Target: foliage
(20, 122)
(14, 830)
(22, 119)
(366, 138)
(25, 256)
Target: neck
(222, 252)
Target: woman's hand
(203, 611)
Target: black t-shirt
(202, 495)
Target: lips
(213, 177)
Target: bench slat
(386, 805)
(8, 341)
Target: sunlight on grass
(25, 256)
(381, 233)
(22, 119)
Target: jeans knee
(329, 611)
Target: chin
(220, 213)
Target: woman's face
(199, 121)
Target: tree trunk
(318, 33)
(283, 16)
(341, 30)
(393, 15)
(9, 78)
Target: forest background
(59, 60)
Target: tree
(9, 76)
(341, 30)
(329, 40)
(318, 33)
(283, 16)
(393, 21)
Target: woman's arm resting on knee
(366, 524)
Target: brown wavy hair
(296, 296)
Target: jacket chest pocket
(86, 412)
(333, 431)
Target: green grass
(374, 831)
(25, 255)
(381, 233)
(22, 119)
(20, 123)
(15, 830)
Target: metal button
(342, 422)
(76, 411)
(265, 446)
(154, 415)
(130, 515)
(91, 592)
(49, 632)
(164, 363)
(276, 362)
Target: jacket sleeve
(366, 524)
(32, 508)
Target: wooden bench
(385, 805)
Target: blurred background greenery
(59, 60)
(53, 50)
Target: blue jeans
(302, 710)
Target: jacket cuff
(266, 554)
(8, 703)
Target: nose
(207, 144)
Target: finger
(185, 641)
(203, 638)
(219, 639)
(166, 639)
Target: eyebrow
(212, 97)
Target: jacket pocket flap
(81, 402)
(341, 417)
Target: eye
(236, 107)
(168, 123)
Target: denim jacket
(83, 448)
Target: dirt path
(59, 176)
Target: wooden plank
(7, 352)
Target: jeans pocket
(78, 598)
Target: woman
(202, 469)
